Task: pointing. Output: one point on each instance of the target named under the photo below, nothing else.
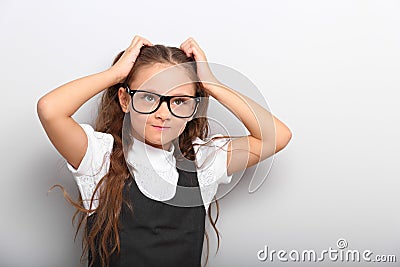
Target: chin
(158, 141)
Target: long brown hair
(103, 236)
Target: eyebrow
(173, 94)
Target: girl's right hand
(125, 63)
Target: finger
(138, 40)
(185, 48)
(195, 44)
(188, 51)
(199, 55)
(146, 42)
(134, 42)
(192, 41)
(186, 42)
(135, 39)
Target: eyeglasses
(144, 102)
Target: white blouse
(154, 168)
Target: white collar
(156, 175)
(154, 170)
(160, 159)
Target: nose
(163, 111)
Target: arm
(268, 135)
(56, 107)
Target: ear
(124, 99)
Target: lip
(160, 127)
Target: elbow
(282, 140)
(43, 109)
(272, 147)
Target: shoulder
(100, 137)
(211, 159)
(210, 145)
(99, 145)
(95, 163)
(218, 137)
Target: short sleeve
(212, 159)
(94, 165)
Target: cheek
(138, 122)
(182, 127)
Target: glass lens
(145, 102)
(181, 106)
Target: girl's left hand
(190, 47)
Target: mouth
(160, 127)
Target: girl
(122, 202)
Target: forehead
(164, 79)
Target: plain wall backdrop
(328, 69)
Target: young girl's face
(161, 127)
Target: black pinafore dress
(160, 234)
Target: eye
(178, 101)
(148, 97)
(182, 101)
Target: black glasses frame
(163, 98)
